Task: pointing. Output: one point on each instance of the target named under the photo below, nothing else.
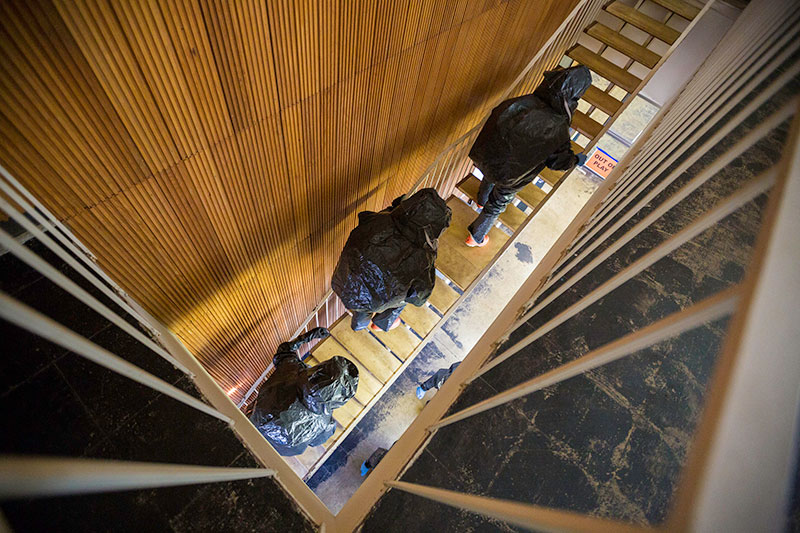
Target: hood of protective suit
(388, 259)
(329, 384)
(522, 134)
(422, 217)
(564, 87)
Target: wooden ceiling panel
(214, 155)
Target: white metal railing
(765, 39)
(38, 476)
(733, 440)
(37, 263)
(725, 101)
(30, 477)
(710, 309)
(725, 208)
(50, 225)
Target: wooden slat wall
(214, 154)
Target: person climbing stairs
(620, 68)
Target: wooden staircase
(379, 356)
(382, 356)
(623, 59)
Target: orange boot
(396, 323)
(472, 243)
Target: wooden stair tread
(531, 195)
(310, 457)
(347, 413)
(368, 384)
(679, 7)
(619, 42)
(512, 217)
(296, 465)
(443, 296)
(602, 100)
(453, 264)
(400, 340)
(647, 24)
(551, 176)
(368, 351)
(605, 68)
(586, 125)
(334, 437)
(420, 319)
(456, 260)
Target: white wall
(691, 53)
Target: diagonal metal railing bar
(590, 242)
(31, 320)
(666, 153)
(744, 144)
(727, 206)
(39, 264)
(717, 306)
(36, 477)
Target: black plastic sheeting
(388, 259)
(525, 134)
(294, 407)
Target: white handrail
(37, 263)
(723, 209)
(29, 319)
(35, 477)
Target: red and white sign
(601, 163)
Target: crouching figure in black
(388, 259)
(294, 406)
(521, 137)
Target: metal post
(37, 263)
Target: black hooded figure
(388, 259)
(294, 406)
(521, 137)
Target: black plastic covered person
(388, 259)
(521, 137)
(294, 406)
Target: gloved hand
(318, 333)
(581, 159)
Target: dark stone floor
(54, 402)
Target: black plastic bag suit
(294, 407)
(388, 259)
(525, 134)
